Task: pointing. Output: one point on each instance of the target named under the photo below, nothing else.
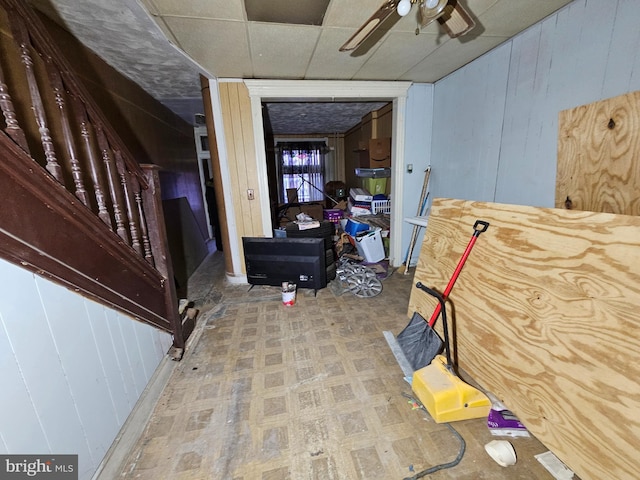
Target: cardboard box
(378, 155)
(315, 210)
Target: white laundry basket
(369, 245)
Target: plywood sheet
(545, 317)
(598, 148)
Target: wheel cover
(364, 285)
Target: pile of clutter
(360, 248)
(361, 259)
(371, 199)
(360, 235)
(366, 240)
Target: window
(301, 166)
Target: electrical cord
(442, 466)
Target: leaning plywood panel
(545, 317)
(598, 148)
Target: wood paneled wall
(241, 157)
(377, 124)
(598, 152)
(384, 124)
(545, 317)
(352, 156)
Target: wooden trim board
(545, 317)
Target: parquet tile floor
(306, 392)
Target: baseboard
(236, 279)
(113, 461)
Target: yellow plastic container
(445, 396)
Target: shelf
(420, 221)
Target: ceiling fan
(455, 20)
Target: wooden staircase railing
(77, 207)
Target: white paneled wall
(71, 370)
(417, 152)
(495, 127)
(467, 127)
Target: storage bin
(375, 186)
(369, 245)
(373, 172)
(352, 227)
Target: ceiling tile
(269, 41)
(328, 62)
(349, 13)
(399, 53)
(410, 22)
(478, 7)
(220, 46)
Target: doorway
(328, 91)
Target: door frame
(328, 91)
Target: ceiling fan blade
(370, 25)
(430, 10)
(456, 20)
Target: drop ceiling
(164, 45)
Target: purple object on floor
(504, 422)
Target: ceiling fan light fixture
(361, 35)
(456, 21)
(404, 7)
(450, 14)
(384, 12)
(430, 10)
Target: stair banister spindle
(41, 41)
(13, 127)
(21, 35)
(146, 242)
(130, 202)
(86, 133)
(73, 160)
(112, 181)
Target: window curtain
(301, 166)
